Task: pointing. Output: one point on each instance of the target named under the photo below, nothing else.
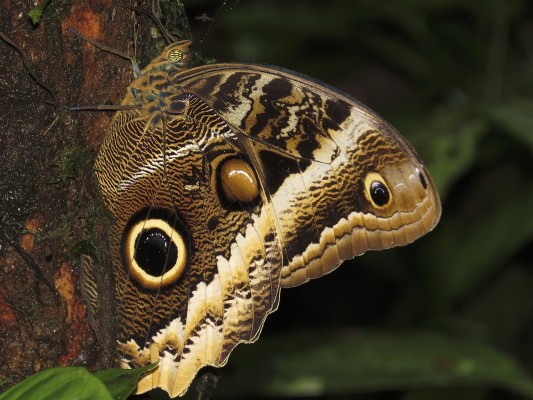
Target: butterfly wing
(324, 160)
(160, 174)
(230, 181)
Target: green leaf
(77, 383)
(326, 363)
(490, 307)
(122, 382)
(36, 13)
(490, 234)
(449, 141)
(59, 384)
(516, 120)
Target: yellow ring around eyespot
(238, 180)
(136, 272)
(370, 178)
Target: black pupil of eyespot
(155, 252)
(422, 178)
(379, 193)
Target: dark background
(447, 317)
(456, 78)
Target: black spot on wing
(277, 167)
(208, 86)
(337, 111)
(236, 87)
(273, 91)
(308, 143)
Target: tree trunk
(49, 207)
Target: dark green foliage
(455, 78)
(451, 315)
(349, 361)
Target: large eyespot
(237, 181)
(376, 190)
(154, 249)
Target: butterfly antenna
(225, 7)
(27, 67)
(152, 15)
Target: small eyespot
(153, 250)
(238, 182)
(421, 177)
(175, 55)
(379, 193)
(376, 190)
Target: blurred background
(451, 315)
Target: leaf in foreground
(59, 383)
(77, 383)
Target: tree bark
(49, 207)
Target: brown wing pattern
(231, 181)
(324, 146)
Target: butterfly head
(177, 55)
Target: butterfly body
(228, 182)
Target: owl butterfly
(228, 182)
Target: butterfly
(229, 182)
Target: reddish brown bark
(49, 207)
